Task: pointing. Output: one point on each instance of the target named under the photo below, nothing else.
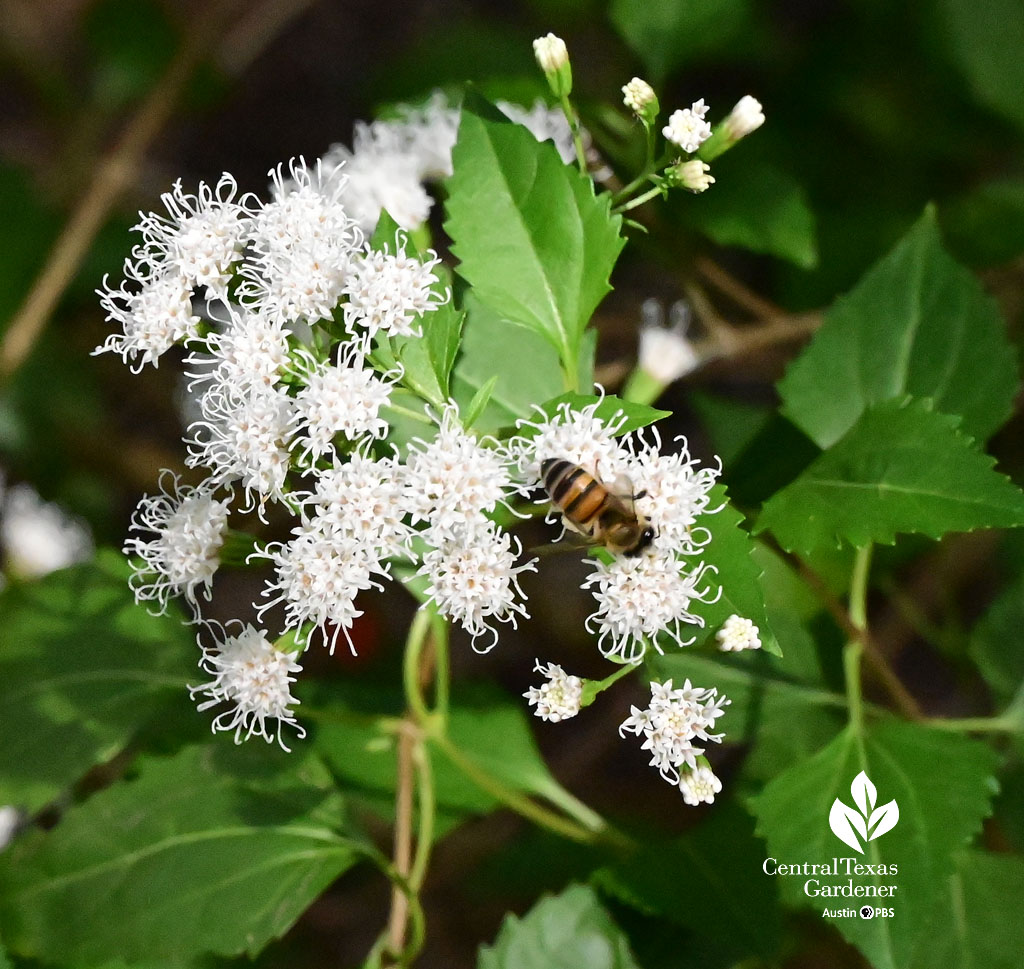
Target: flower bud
(553, 58)
(640, 98)
(691, 175)
(746, 117)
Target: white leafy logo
(865, 820)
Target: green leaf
(719, 854)
(531, 237)
(986, 37)
(82, 667)
(738, 576)
(427, 360)
(901, 468)
(758, 207)
(918, 323)
(939, 812)
(566, 931)
(525, 364)
(996, 645)
(970, 926)
(672, 33)
(609, 408)
(217, 849)
(986, 226)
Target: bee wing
(573, 542)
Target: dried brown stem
(737, 291)
(110, 178)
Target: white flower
(152, 319)
(391, 293)
(557, 699)
(453, 481)
(744, 118)
(639, 97)
(38, 537)
(693, 175)
(545, 124)
(364, 499)
(302, 243)
(338, 399)
(11, 819)
(319, 574)
(642, 597)
(202, 236)
(699, 784)
(672, 722)
(674, 491)
(244, 437)
(551, 53)
(578, 436)
(687, 127)
(737, 634)
(254, 676)
(188, 528)
(249, 353)
(473, 578)
(380, 174)
(666, 354)
(426, 133)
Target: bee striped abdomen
(576, 492)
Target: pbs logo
(867, 912)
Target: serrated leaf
(738, 576)
(82, 667)
(532, 239)
(670, 34)
(901, 468)
(215, 850)
(986, 37)
(969, 926)
(565, 931)
(526, 367)
(917, 323)
(719, 853)
(758, 207)
(940, 811)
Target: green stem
(592, 688)
(1001, 724)
(854, 649)
(411, 664)
(426, 807)
(514, 799)
(574, 127)
(408, 412)
(442, 665)
(638, 201)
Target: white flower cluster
(670, 725)
(687, 128)
(557, 699)
(652, 594)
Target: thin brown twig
(402, 856)
(737, 291)
(111, 176)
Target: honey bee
(603, 516)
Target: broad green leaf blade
(901, 468)
(82, 667)
(442, 332)
(532, 239)
(672, 33)
(525, 364)
(738, 576)
(918, 323)
(940, 811)
(566, 931)
(215, 850)
(758, 207)
(974, 924)
(986, 37)
(720, 853)
(996, 644)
